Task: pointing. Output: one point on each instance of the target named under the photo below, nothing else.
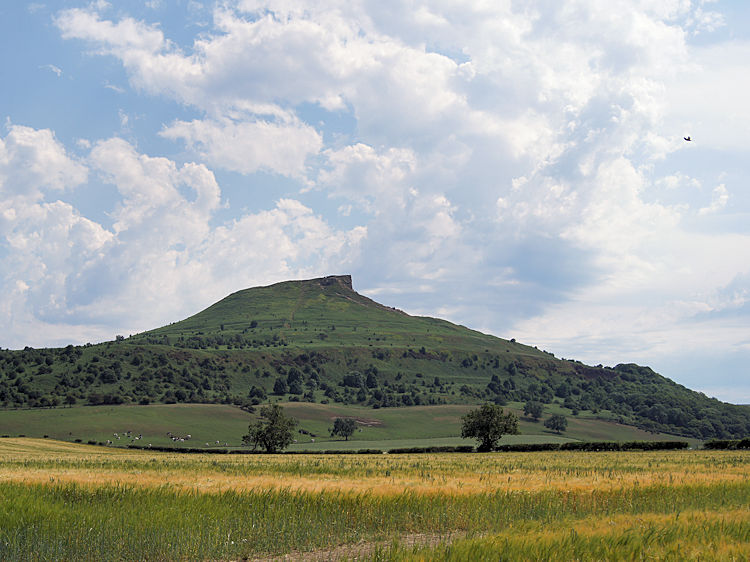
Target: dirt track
(360, 550)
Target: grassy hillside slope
(320, 314)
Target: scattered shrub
(596, 446)
(727, 444)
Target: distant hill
(320, 341)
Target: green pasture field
(208, 423)
(63, 501)
(205, 422)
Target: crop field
(65, 501)
(383, 428)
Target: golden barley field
(63, 501)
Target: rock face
(344, 280)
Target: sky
(516, 167)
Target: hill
(320, 341)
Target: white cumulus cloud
(249, 146)
(163, 253)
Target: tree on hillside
(344, 427)
(557, 423)
(533, 409)
(488, 424)
(273, 431)
(295, 387)
(280, 387)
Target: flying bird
(687, 139)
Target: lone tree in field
(273, 431)
(344, 427)
(488, 424)
(556, 423)
(533, 409)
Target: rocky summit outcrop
(344, 280)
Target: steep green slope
(319, 313)
(320, 341)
